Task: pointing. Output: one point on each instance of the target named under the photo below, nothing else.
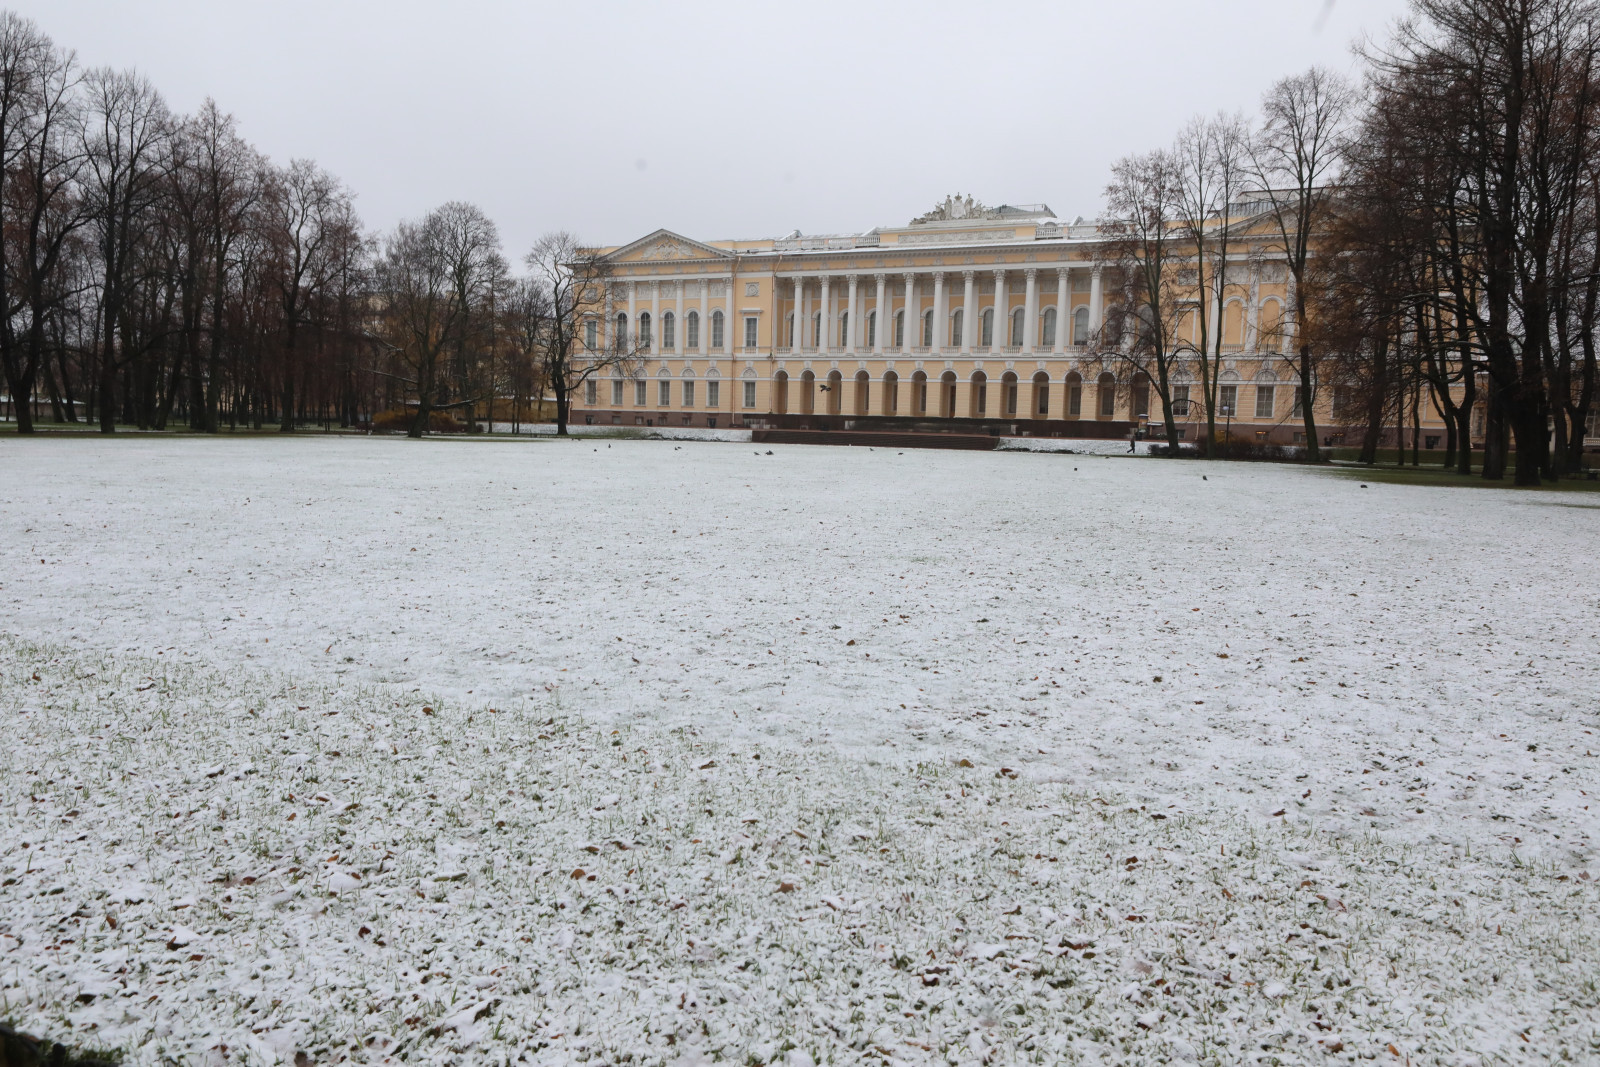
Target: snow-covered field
(880, 756)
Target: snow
(561, 751)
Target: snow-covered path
(1268, 650)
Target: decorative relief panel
(752, 288)
(666, 248)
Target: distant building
(965, 313)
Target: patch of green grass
(1433, 476)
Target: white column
(1030, 313)
(655, 318)
(941, 339)
(732, 323)
(803, 309)
(1063, 309)
(1252, 329)
(853, 323)
(1001, 334)
(825, 342)
(911, 314)
(1095, 297)
(882, 317)
(705, 315)
(678, 344)
(633, 315)
(1290, 326)
(969, 300)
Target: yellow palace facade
(966, 313)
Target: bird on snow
(769, 451)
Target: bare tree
(1143, 201)
(40, 210)
(1306, 123)
(573, 280)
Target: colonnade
(944, 394)
(826, 334)
(680, 346)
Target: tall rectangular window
(750, 331)
(749, 394)
(1108, 399)
(691, 332)
(688, 394)
(664, 394)
(616, 392)
(1299, 402)
(588, 392)
(713, 394)
(1228, 400)
(1074, 399)
(716, 329)
(1180, 400)
(639, 392)
(591, 334)
(1265, 395)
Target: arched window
(955, 328)
(816, 329)
(1233, 324)
(688, 387)
(872, 329)
(1048, 334)
(900, 329)
(986, 338)
(1017, 318)
(927, 329)
(844, 329)
(691, 330)
(980, 394)
(669, 330)
(716, 329)
(919, 393)
(808, 393)
(863, 386)
(1074, 395)
(1041, 395)
(792, 339)
(622, 332)
(891, 392)
(1107, 390)
(947, 395)
(1008, 394)
(780, 393)
(1080, 326)
(835, 389)
(1271, 325)
(644, 329)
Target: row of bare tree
(1439, 225)
(157, 270)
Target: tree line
(156, 269)
(1438, 221)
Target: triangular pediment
(664, 246)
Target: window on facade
(716, 329)
(749, 394)
(691, 329)
(1080, 326)
(622, 332)
(816, 328)
(664, 393)
(591, 334)
(644, 329)
(1011, 398)
(750, 332)
(1264, 398)
(927, 330)
(1108, 396)
(669, 330)
(640, 388)
(844, 329)
(1180, 401)
(1049, 331)
(1017, 318)
(955, 329)
(1075, 398)
(713, 394)
(1227, 400)
(899, 329)
(616, 392)
(986, 335)
(589, 391)
(1041, 390)
(688, 394)
(872, 329)
(793, 340)
(1299, 402)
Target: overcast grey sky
(714, 119)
